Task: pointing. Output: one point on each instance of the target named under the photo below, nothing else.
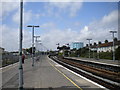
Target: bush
(84, 52)
(105, 55)
(117, 53)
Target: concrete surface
(45, 74)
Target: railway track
(109, 67)
(106, 78)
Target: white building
(105, 47)
(76, 45)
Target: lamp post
(69, 49)
(113, 44)
(93, 53)
(98, 52)
(89, 46)
(36, 41)
(32, 42)
(58, 47)
(20, 47)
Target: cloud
(100, 28)
(97, 30)
(38, 15)
(9, 41)
(48, 26)
(10, 38)
(55, 36)
(27, 15)
(69, 7)
(7, 7)
(27, 39)
(75, 8)
(111, 18)
(10, 35)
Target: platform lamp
(33, 41)
(113, 32)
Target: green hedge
(84, 52)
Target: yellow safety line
(65, 76)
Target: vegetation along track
(107, 78)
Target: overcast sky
(60, 22)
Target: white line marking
(9, 66)
(82, 76)
(93, 61)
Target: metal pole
(113, 48)
(20, 48)
(113, 44)
(36, 40)
(93, 53)
(33, 46)
(98, 52)
(89, 48)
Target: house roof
(106, 44)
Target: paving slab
(47, 74)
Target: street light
(69, 49)
(32, 42)
(36, 38)
(98, 52)
(36, 41)
(113, 44)
(89, 46)
(58, 47)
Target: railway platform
(50, 75)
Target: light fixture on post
(89, 46)
(113, 32)
(32, 42)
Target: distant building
(15, 53)
(76, 45)
(1, 50)
(105, 47)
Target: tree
(29, 50)
(63, 48)
(90, 44)
(106, 41)
(115, 39)
(99, 42)
(86, 45)
(95, 44)
(117, 53)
